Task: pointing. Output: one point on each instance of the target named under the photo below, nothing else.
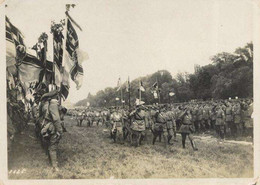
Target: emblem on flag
(141, 87)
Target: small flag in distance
(141, 86)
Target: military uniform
(139, 120)
(213, 118)
(139, 124)
(160, 127)
(229, 119)
(116, 120)
(187, 125)
(90, 117)
(237, 119)
(205, 118)
(80, 118)
(200, 119)
(249, 120)
(104, 117)
(51, 124)
(171, 125)
(220, 122)
(98, 118)
(195, 118)
(187, 128)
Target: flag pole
(140, 92)
(121, 97)
(64, 46)
(53, 65)
(158, 92)
(44, 57)
(129, 87)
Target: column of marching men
(224, 118)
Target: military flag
(155, 85)
(68, 58)
(13, 34)
(139, 102)
(14, 38)
(30, 70)
(71, 62)
(118, 84)
(27, 69)
(141, 87)
(155, 90)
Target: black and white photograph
(124, 90)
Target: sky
(139, 37)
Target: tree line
(228, 75)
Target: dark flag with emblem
(13, 34)
(141, 87)
(72, 64)
(14, 38)
(155, 85)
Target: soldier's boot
(222, 134)
(193, 145)
(124, 135)
(114, 136)
(174, 137)
(165, 138)
(169, 139)
(63, 128)
(138, 139)
(183, 143)
(54, 161)
(49, 157)
(143, 137)
(154, 139)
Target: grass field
(88, 153)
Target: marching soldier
(80, 118)
(160, 126)
(237, 119)
(249, 120)
(205, 118)
(199, 114)
(139, 122)
(187, 128)
(229, 119)
(98, 117)
(116, 120)
(195, 118)
(90, 117)
(213, 117)
(171, 125)
(105, 117)
(220, 124)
